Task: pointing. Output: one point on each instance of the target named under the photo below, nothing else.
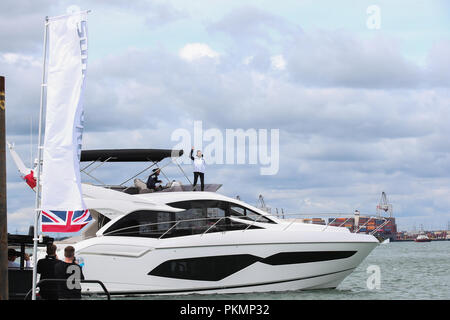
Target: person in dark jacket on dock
(70, 271)
(46, 268)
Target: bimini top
(129, 155)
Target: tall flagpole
(39, 164)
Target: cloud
(328, 58)
(278, 62)
(334, 58)
(253, 27)
(163, 13)
(20, 60)
(155, 13)
(22, 23)
(22, 88)
(194, 51)
(22, 219)
(438, 66)
(356, 116)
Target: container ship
(385, 225)
(385, 229)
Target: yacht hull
(230, 262)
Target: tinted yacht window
(247, 214)
(154, 224)
(198, 217)
(143, 223)
(214, 217)
(209, 208)
(216, 208)
(201, 216)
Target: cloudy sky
(359, 110)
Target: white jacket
(199, 163)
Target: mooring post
(3, 217)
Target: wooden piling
(3, 215)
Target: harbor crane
(384, 207)
(262, 205)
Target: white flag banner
(63, 208)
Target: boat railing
(102, 285)
(365, 224)
(386, 221)
(213, 221)
(347, 217)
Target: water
(409, 270)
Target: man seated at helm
(152, 180)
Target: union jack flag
(64, 221)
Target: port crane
(384, 207)
(262, 205)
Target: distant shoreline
(412, 240)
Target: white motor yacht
(179, 241)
